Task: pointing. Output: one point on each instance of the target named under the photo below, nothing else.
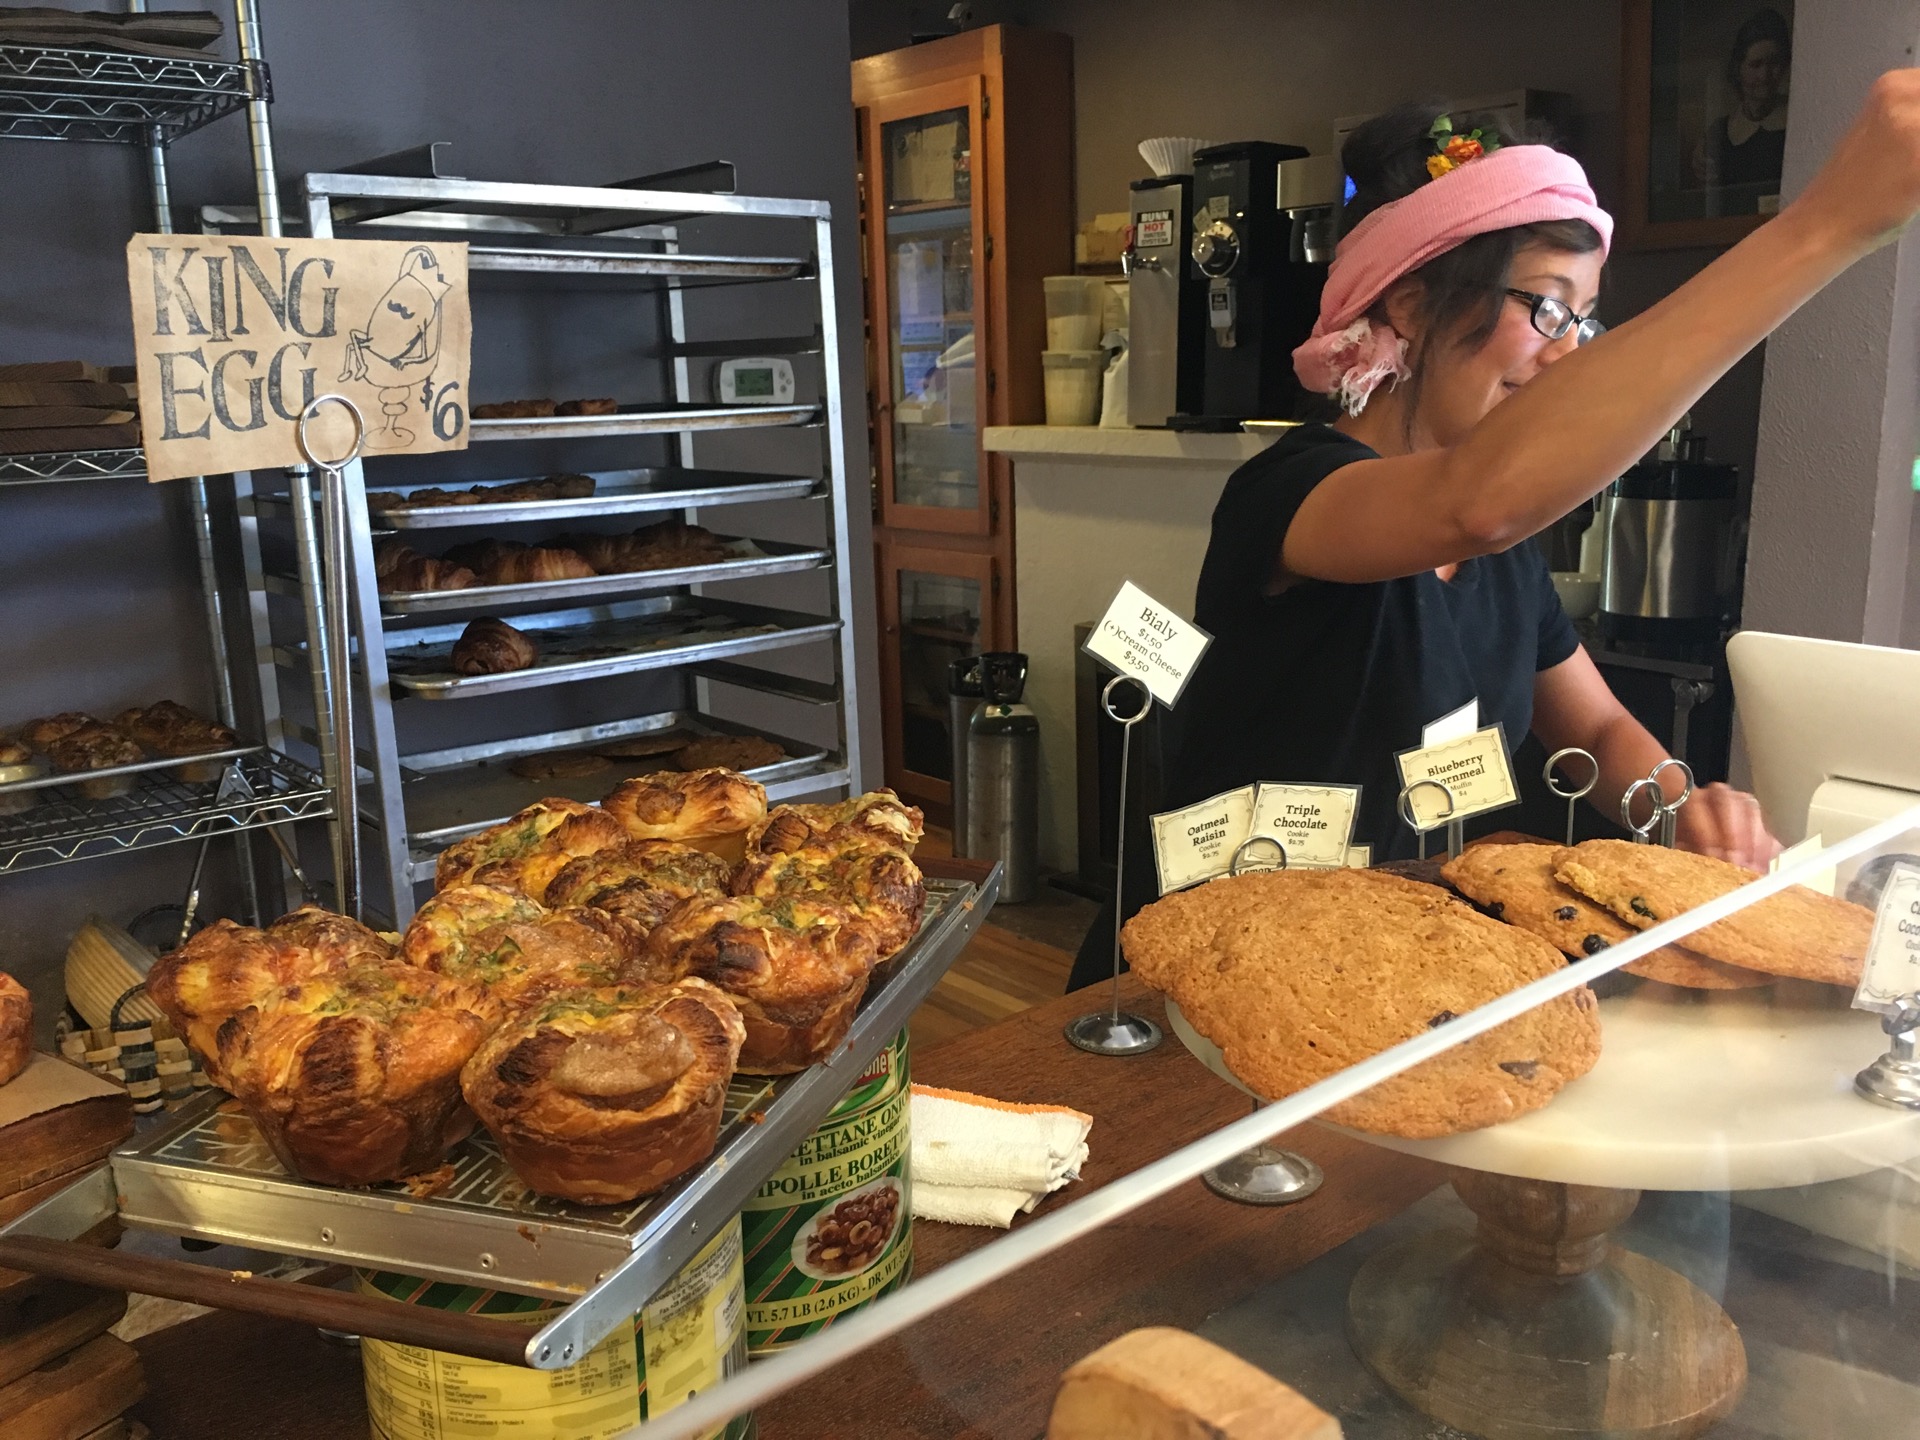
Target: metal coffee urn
(1003, 777)
(963, 698)
(1672, 558)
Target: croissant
(600, 405)
(525, 567)
(389, 555)
(424, 572)
(492, 647)
(513, 410)
(480, 556)
(605, 553)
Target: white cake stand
(1539, 1326)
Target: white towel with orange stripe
(981, 1162)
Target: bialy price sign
(234, 336)
(1140, 637)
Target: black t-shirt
(1325, 683)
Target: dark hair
(1768, 24)
(1463, 288)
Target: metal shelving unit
(423, 777)
(49, 93)
(81, 93)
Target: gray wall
(97, 581)
(1285, 69)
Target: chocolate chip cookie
(1297, 975)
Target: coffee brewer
(1673, 548)
(1262, 290)
(1166, 305)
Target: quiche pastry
(603, 1095)
(640, 880)
(709, 809)
(517, 836)
(16, 1027)
(880, 885)
(879, 815)
(796, 967)
(354, 1077)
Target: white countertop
(1162, 449)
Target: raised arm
(1572, 429)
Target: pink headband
(1349, 356)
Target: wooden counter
(986, 1367)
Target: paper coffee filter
(1171, 154)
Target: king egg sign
(235, 336)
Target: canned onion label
(688, 1338)
(830, 1229)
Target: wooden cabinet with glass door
(966, 150)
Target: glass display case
(936, 606)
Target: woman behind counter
(1368, 577)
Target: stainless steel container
(1003, 778)
(1671, 563)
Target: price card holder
(1475, 769)
(1314, 822)
(1146, 641)
(1199, 842)
(1890, 985)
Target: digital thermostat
(756, 382)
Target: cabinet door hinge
(996, 583)
(986, 106)
(989, 247)
(993, 509)
(993, 381)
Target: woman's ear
(1402, 304)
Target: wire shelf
(43, 469)
(49, 93)
(161, 810)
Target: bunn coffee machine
(1261, 300)
(1166, 304)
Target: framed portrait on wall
(1707, 84)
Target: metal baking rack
(60, 93)
(88, 93)
(698, 650)
(209, 1176)
(161, 809)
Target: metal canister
(1003, 778)
(963, 698)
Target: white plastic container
(1074, 311)
(1073, 385)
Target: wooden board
(75, 1394)
(60, 1141)
(63, 392)
(41, 1322)
(32, 417)
(43, 370)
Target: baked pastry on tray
(520, 835)
(731, 752)
(39, 734)
(16, 1027)
(797, 968)
(640, 880)
(1515, 883)
(601, 1096)
(878, 815)
(879, 884)
(1798, 933)
(530, 873)
(709, 809)
(354, 1077)
(1297, 975)
(227, 967)
(445, 927)
(490, 646)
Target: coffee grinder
(1262, 295)
(1166, 305)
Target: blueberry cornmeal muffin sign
(1297, 975)
(1515, 883)
(234, 336)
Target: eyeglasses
(1554, 318)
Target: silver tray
(652, 420)
(644, 635)
(209, 1176)
(754, 557)
(617, 492)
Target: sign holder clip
(1575, 796)
(1894, 1079)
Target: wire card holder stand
(1112, 1031)
(1574, 796)
(1664, 815)
(1412, 819)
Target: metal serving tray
(609, 268)
(753, 558)
(209, 1176)
(617, 492)
(612, 640)
(649, 420)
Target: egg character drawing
(400, 342)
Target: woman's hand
(1726, 824)
(1870, 185)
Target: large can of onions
(688, 1338)
(830, 1229)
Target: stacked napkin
(981, 1162)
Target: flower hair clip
(1451, 151)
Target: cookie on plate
(1798, 932)
(1297, 975)
(1515, 883)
